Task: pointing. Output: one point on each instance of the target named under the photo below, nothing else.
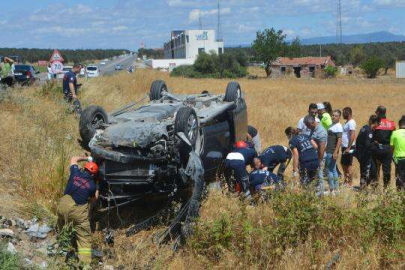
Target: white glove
(90, 159)
(295, 174)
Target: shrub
(372, 66)
(228, 65)
(185, 71)
(205, 64)
(330, 71)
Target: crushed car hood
(133, 134)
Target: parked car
(65, 70)
(118, 67)
(92, 71)
(102, 63)
(166, 148)
(25, 74)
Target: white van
(92, 71)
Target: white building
(400, 69)
(184, 47)
(189, 43)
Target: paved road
(125, 62)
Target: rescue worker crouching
(261, 178)
(73, 207)
(273, 156)
(236, 162)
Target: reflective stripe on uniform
(235, 156)
(84, 250)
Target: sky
(126, 24)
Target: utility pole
(200, 20)
(219, 22)
(320, 50)
(339, 22)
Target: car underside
(167, 148)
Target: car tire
(90, 120)
(187, 122)
(233, 92)
(156, 90)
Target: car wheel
(187, 122)
(233, 92)
(90, 119)
(157, 89)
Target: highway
(125, 62)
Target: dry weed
(38, 137)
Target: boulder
(6, 233)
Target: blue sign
(203, 36)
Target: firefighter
(381, 150)
(73, 207)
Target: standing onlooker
(320, 136)
(7, 71)
(364, 142)
(70, 88)
(328, 109)
(254, 138)
(326, 119)
(381, 150)
(398, 147)
(312, 110)
(332, 150)
(305, 156)
(50, 73)
(348, 145)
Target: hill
(382, 36)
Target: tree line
(71, 56)
(270, 44)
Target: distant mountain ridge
(382, 36)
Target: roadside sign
(57, 67)
(42, 63)
(56, 56)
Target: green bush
(228, 65)
(372, 66)
(185, 71)
(296, 219)
(330, 71)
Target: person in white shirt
(348, 145)
(50, 73)
(313, 111)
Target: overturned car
(169, 147)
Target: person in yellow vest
(73, 208)
(397, 142)
(326, 119)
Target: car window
(92, 68)
(22, 67)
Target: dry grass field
(38, 137)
